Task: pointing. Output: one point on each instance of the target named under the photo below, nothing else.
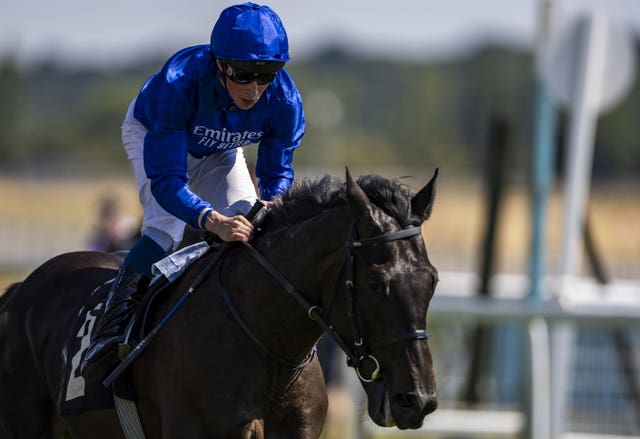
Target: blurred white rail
(584, 303)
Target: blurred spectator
(114, 229)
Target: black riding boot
(120, 306)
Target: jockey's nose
(250, 90)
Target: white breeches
(222, 179)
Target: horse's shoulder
(305, 398)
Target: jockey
(184, 134)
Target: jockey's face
(244, 96)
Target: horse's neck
(311, 256)
(312, 253)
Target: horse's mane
(307, 198)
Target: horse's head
(393, 282)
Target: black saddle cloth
(78, 395)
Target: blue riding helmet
(250, 32)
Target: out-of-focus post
(543, 142)
(538, 419)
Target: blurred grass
(72, 200)
(69, 206)
(59, 212)
(455, 231)
(7, 278)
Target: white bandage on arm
(203, 217)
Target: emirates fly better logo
(223, 139)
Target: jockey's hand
(234, 228)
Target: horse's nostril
(408, 401)
(421, 403)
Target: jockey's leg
(223, 180)
(122, 301)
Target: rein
(247, 330)
(359, 353)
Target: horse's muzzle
(409, 409)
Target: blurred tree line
(360, 111)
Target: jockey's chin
(244, 103)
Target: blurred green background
(360, 110)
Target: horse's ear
(422, 202)
(359, 204)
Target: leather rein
(358, 353)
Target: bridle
(361, 351)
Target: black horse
(343, 257)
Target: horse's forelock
(391, 196)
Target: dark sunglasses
(244, 77)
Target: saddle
(78, 395)
(166, 271)
(172, 267)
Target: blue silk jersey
(186, 110)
